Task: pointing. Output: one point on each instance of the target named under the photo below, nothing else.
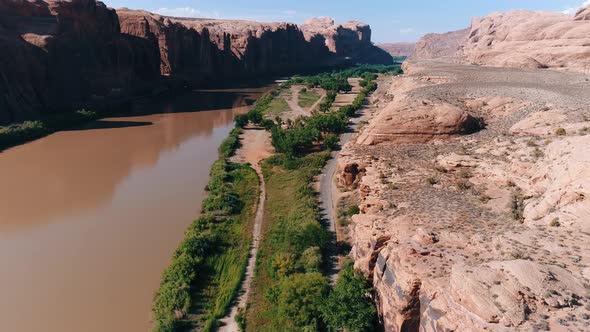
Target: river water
(90, 217)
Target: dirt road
(256, 147)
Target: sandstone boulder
(418, 122)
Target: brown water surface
(89, 217)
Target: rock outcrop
(63, 55)
(486, 231)
(398, 49)
(439, 45)
(519, 39)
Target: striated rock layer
(474, 231)
(61, 55)
(519, 39)
(56, 54)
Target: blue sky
(390, 20)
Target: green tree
(241, 120)
(331, 142)
(300, 298)
(311, 259)
(348, 305)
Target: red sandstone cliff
(520, 39)
(57, 54)
(61, 55)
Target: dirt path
(256, 147)
(293, 102)
(328, 190)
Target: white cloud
(573, 10)
(186, 12)
(193, 12)
(407, 31)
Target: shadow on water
(110, 124)
(197, 101)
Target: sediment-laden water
(89, 217)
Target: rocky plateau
(473, 181)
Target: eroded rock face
(62, 55)
(525, 39)
(519, 39)
(56, 54)
(413, 121)
(486, 231)
(439, 45)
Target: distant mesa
(398, 49)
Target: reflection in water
(89, 217)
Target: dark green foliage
(300, 296)
(329, 123)
(230, 144)
(348, 305)
(241, 120)
(311, 259)
(353, 210)
(295, 140)
(331, 142)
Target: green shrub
(353, 210)
(300, 298)
(348, 305)
(241, 120)
(311, 259)
(331, 142)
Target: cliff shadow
(109, 124)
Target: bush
(311, 259)
(241, 120)
(331, 142)
(300, 298)
(560, 132)
(353, 210)
(348, 305)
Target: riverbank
(208, 267)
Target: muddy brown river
(90, 217)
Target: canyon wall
(57, 54)
(64, 55)
(398, 49)
(518, 39)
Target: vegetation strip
(207, 267)
(290, 290)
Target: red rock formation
(398, 49)
(64, 54)
(439, 45)
(57, 54)
(519, 39)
